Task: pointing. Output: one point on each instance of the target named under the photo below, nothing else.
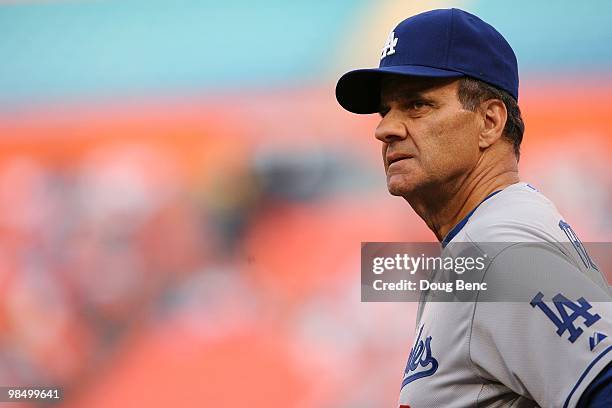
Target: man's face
(429, 140)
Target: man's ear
(494, 115)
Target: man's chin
(399, 186)
(400, 192)
(408, 184)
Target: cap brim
(359, 91)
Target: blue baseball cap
(446, 43)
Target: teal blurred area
(564, 36)
(56, 50)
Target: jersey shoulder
(519, 213)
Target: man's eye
(417, 105)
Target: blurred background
(182, 200)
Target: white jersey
(540, 352)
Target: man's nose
(390, 129)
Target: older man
(447, 91)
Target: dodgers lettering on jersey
(543, 351)
(421, 362)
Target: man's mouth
(395, 157)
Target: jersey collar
(457, 228)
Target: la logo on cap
(389, 47)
